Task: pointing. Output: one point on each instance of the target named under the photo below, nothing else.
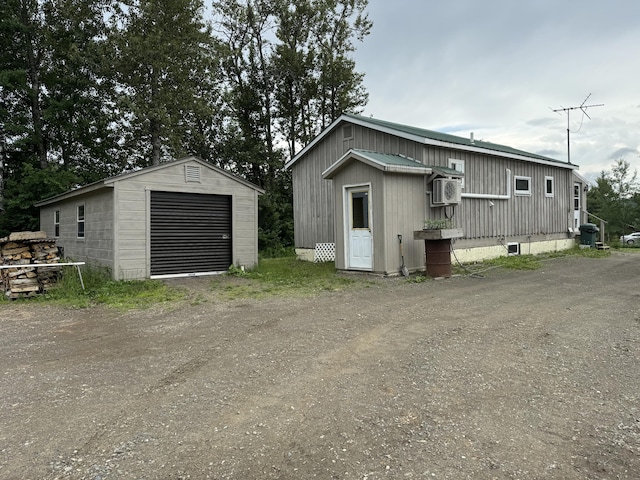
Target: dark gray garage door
(190, 233)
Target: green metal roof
(390, 159)
(382, 161)
(445, 137)
(391, 163)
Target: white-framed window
(458, 166)
(522, 185)
(80, 221)
(549, 190)
(56, 223)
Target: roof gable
(430, 137)
(111, 181)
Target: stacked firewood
(23, 251)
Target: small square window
(548, 187)
(80, 221)
(523, 185)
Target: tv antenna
(582, 107)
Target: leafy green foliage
(100, 289)
(616, 199)
(24, 190)
(283, 276)
(99, 87)
(162, 54)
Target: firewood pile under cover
(25, 251)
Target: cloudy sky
(499, 67)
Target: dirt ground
(517, 375)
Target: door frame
(347, 190)
(577, 213)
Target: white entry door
(358, 226)
(577, 205)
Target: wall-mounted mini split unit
(446, 191)
(513, 248)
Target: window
(360, 210)
(347, 132)
(80, 221)
(56, 223)
(458, 166)
(548, 187)
(523, 185)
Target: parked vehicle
(631, 238)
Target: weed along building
(180, 218)
(364, 185)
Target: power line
(582, 107)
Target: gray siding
(519, 216)
(97, 244)
(397, 207)
(313, 199)
(357, 173)
(133, 205)
(404, 208)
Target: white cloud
(498, 68)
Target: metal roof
(448, 138)
(430, 137)
(382, 161)
(388, 163)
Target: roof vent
(471, 139)
(192, 173)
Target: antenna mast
(582, 107)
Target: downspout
(490, 196)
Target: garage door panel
(190, 233)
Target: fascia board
(315, 141)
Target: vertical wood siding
(313, 199)
(397, 208)
(519, 216)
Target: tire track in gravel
(276, 382)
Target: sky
(498, 68)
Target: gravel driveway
(520, 374)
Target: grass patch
(101, 289)
(281, 276)
(587, 252)
(515, 262)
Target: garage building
(180, 218)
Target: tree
(26, 188)
(52, 99)
(162, 54)
(616, 198)
(288, 74)
(340, 86)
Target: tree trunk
(156, 142)
(34, 76)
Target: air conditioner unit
(446, 191)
